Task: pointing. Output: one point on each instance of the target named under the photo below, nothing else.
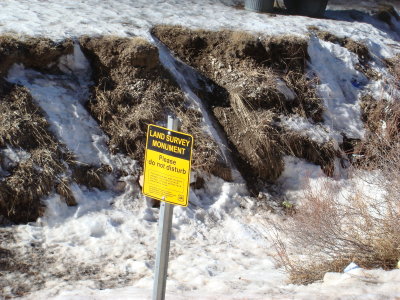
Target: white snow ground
(220, 247)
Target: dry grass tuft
(308, 104)
(22, 126)
(298, 145)
(333, 226)
(382, 119)
(394, 68)
(90, 176)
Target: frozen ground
(104, 248)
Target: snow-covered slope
(221, 247)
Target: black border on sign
(145, 159)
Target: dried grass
(394, 68)
(332, 232)
(133, 90)
(333, 228)
(23, 126)
(243, 70)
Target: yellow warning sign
(167, 165)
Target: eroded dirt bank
(248, 84)
(254, 83)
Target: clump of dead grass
(335, 225)
(394, 68)
(382, 118)
(332, 232)
(23, 126)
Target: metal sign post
(164, 235)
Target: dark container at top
(259, 5)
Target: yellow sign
(167, 165)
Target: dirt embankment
(254, 81)
(44, 164)
(133, 90)
(37, 53)
(23, 127)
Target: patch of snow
(340, 86)
(297, 173)
(319, 133)
(117, 233)
(13, 156)
(285, 90)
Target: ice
(187, 78)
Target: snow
(319, 133)
(220, 247)
(340, 86)
(60, 19)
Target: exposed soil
(244, 72)
(37, 53)
(247, 84)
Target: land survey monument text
(167, 165)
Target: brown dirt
(243, 70)
(37, 53)
(133, 90)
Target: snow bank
(60, 19)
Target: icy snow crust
(220, 247)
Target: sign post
(166, 178)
